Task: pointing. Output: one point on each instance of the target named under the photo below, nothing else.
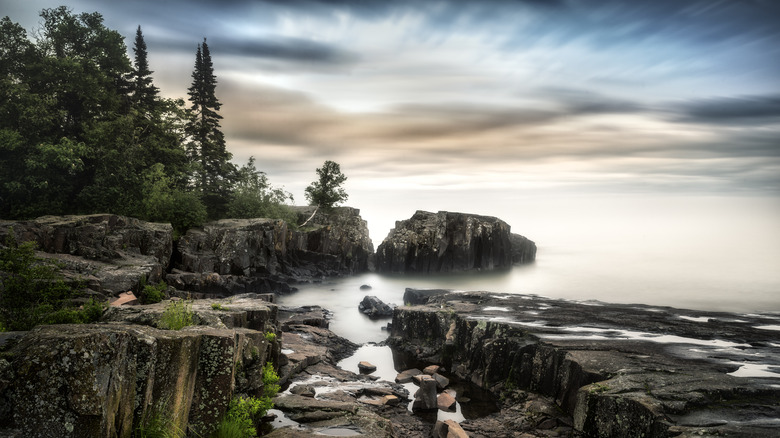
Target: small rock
(304, 390)
(425, 398)
(406, 376)
(446, 402)
(391, 400)
(127, 298)
(431, 369)
(547, 424)
(448, 429)
(366, 367)
(418, 379)
(441, 381)
(375, 308)
(365, 287)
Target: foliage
(151, 294)
(164, 202)
(157, 423)
(270, 336)
(327, 192)
(33, 292)
(270, 381)
(206, 148)
(218, 306)
(254, 197)
(177, 315)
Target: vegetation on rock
(177, 315)
(33, 292)
(326, 191)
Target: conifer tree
(214, 172)
(144, 91)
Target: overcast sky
(525, 95)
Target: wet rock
(366, 367)
(407, 376)
(616, 370)
(365, 287)
(441, 381)
(448, 429)
(314, 316)
(431, 369)
(446, 402)
(425, 398)
(375, 308)
(303, 390)
(446, 242)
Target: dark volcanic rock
(262, 255)
(447, 242)
(618, 370)
(111, 254)
(102, 380)
(523, 249)
(375, 308)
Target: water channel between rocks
(342, 297)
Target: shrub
(151, 294)
(33, 292)
(242, 415)
(218, 306)
(157, 423)
(177, 315)
(270, 381)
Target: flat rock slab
(615, 368)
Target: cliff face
(262, 255)
(110, 253)
(104, 380)
(447, 242)
(618, 370)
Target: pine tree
(144, 92)
(207, 148)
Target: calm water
(719, 254)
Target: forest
(83, 129)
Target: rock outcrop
(104, 380)
(617, 370)
(449, 242)
(264, 255)
(109, 253)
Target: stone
(365, 287)
(127, 298)
(431, 369)
(265, 255)
(304, 390)
(375, 308)
(523, 249)
(406, 376)
(391, 400)
(445, 402)
(448, 429)
(366, 367)
(656, 383)
(446, 242)
(425, 398)
(441, 381)
(108, 253)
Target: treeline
(83, 129)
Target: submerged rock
(449, 242)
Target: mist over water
(703, 253)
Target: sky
(471, 105)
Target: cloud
(745, 110)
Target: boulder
(448, 429)
(108, 253)
(425, 398)
(446, 402)
(407, 376)
(366, 367)
(431, 369)
(445, 242)
(375, 308)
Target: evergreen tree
(144, 91)
(327, 192)
(214, 172)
